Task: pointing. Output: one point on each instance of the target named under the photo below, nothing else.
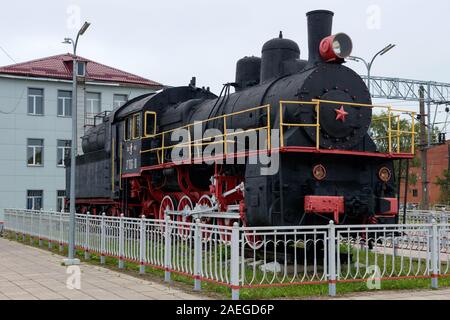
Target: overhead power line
(7, 54)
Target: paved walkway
(28, 273)
(441, 294)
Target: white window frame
(64, 101)
(83, 63)
(60, 200)
(123, 102)
(35, 96)
(33, 200)
(34, 147)
(90, 107)
(63, 149)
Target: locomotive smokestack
(320, 24)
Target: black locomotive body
(329, 167)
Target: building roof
(60, 67)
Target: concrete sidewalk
(28, 273)
(440, 294)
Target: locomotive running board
(206, 214)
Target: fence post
(40, 229)
(102, 239)
(167, 249)
(435, 250)
(61, 233)
(121, 242)
(23, 226)
(332, 259)
(32, 234)
(197, 256)
(87, 236)
(50, 233)
(142, 246)
(395, 251)
(16, 224)
(29, 230)
(235, 262)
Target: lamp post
(370, 64)
(71, 256)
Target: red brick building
(438, 162)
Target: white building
(36, 124)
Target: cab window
(136, 126)
(127, 129)
(150, 124)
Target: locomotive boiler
(312, 115)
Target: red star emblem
(341, 114)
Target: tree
(443, 183)
(399, 142)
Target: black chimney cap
(320, 11)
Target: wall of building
(16, 126)
(438, 162)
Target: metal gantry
(436, 93)
(406, 89)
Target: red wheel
(167, 204)
(184, 207)
(206, 202)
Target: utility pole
(71, 260)
(424, 143)
(430, 126)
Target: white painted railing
(239, 257)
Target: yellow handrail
(112, 164)
(201, 142)
(224, 138)
(283, 124)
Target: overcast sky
(171, 41)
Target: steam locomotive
(313, 116)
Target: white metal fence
(239, 257)
(427, 216)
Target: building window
(63, 152)
(93, 107)
(60, 200)
(119, 100)
(64, 103)
(35, 152)
(81, 68)
(36, 102)
(415, 193)
(35, 199)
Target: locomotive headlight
(319, 172)
(335, 47)
(385, 174)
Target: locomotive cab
(132, 135)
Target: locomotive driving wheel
(252, 238)
(184, 206)
(167, 204)
(206, 202)
(226, 236)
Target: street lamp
(370, 64)
(71, 257)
